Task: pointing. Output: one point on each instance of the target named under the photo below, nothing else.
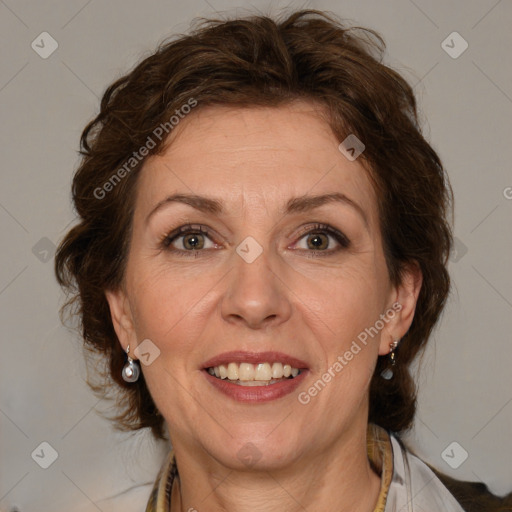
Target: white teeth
(254, 374)
(263, 372)
(246, 371)
(277, 370)
(232, 371)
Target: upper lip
(239, 356)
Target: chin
(260, 450)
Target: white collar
(414, 486)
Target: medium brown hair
(258, 61)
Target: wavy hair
(259, 61)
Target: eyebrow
(300, 204)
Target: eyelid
(168, 238)
(340, 237)
(343, 241)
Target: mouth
(255, 377)
(249, 374)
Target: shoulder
(429, 487)
(414, 486)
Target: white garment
(414, 487)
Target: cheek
(341, 311)
(168, 305)
(342, 323)
(347, 300)
(170, 311)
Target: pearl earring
(131, 369)
(388, 372)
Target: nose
(257, 295)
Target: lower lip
(256, 394)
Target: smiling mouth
(248, 374)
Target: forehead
(254, 157)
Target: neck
(337, 479)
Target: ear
(403, 303)
(122, 318)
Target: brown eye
(193, 241)
(188, 239)
(322, 238)
(317, 241)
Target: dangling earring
(131, 369)
(388, 372)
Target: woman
(260, 256)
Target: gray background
(466, 383)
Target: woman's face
(262, 272)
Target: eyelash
(309, 230)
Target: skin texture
(306, 303)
